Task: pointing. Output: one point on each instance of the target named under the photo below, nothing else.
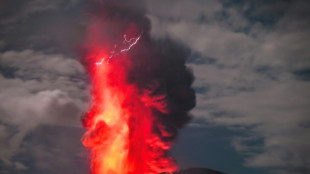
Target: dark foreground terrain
(198, 171)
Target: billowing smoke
(141, 92)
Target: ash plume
(155, 68)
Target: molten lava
(121, 124)
(141, 92)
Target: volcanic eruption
(141, 92)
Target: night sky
(252, 79)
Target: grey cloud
(211, 40)
(42, 82)
(184, 10)
(269, 103)
(275, 116)
(38, 62)
(56, 149)
(50, 149)
(46, 89)
(16, 11)
(288, 43)
(49, 26)
(2, 44)
(48, 107)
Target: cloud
(249, 85)
(2, 44)
(50, 26)
(216, 41)
(42, 89)
(16, 11)
(276, 115)
(54, 149)
(42, 82)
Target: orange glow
(120, 125)
(108, 132)
(123, 132)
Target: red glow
(120, 121)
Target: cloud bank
(251, 62)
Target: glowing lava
(141, 92)
(108, 133)
(121, 121)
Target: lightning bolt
(129, 42)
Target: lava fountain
(141, 93)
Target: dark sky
(251, 63)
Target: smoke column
(141, 92)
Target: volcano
(198, 171)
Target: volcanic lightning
(131, 42)
(141, 93)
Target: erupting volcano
(141, 93)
